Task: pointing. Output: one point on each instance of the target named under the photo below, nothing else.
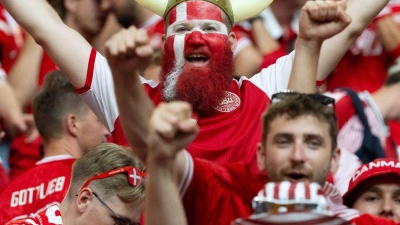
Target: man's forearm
(389, 32)
(333, 49)
(305, 65)
(163, 203)
(23, 76)
(10, 109)
(135, 109)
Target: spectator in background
(375, 189)
(68, 129)
(281, 22)
(380, 108)
(107, 187)
(11, 39)
(365, 66)
(27, 74)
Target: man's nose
(196, 39)
(298, 153)
(387, 209)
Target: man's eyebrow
(317, 136)
(283, 134)
(375, 190)
(397, 191)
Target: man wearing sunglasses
(107, 187)
(298, 145)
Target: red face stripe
(195, 10)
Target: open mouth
(197, 58)
(297, 177)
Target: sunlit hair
(103, 158)
(298, 105)
(55, 101)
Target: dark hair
(297, 105)
(392, 79)
(54, 102)
(58, 5)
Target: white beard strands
(169, 91)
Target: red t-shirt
(49, 216)
(45, 184)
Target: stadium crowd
(199, 112)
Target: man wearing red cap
(375, 189)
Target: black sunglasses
(118, 220)
(322, 99)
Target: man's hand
(170, 130)
(128, 51)
(321, 20)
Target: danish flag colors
(195, 10)
(198, 13)
(376, 168)
(291, 193)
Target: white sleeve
(99, 92)
(276, 77)
(187, 176)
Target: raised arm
(319, 20)
(127, 53)
(68, 49)
(362, 13)
(170, 130)
(24, 73)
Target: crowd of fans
(199, 112)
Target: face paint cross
(195, 15)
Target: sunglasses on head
(322, 99)
(135, 176)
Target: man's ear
(232, 41)
(335, 161)
(84, 197)
(260, 156)
(72, 124)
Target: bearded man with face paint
(198, 39)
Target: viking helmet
(236, 10)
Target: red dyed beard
(202, 87)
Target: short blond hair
(103, 158)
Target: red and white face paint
(197, 58)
